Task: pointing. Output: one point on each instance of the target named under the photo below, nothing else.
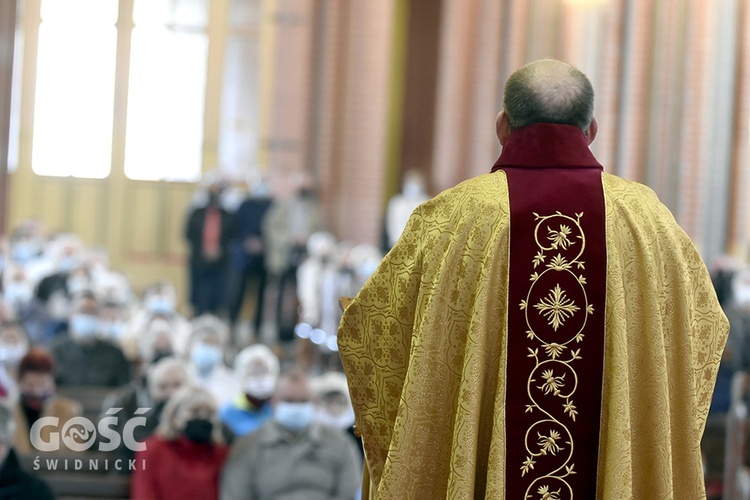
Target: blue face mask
(113, 329)
(84, 326)
(66, 264)
(24, 252)
(160, 305)
(294, 416)
(18, 294)
(205, 357)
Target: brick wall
(657, 67)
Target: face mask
(84, 326)
(342, 421)
(11, 354)
(18, 294)
(24, 252)
(199, 430)
(259, 190)
(77, 284)
(113, 329)
(160, 305)
(66, 264)
(205, 357)
(160, 354)
(58, 307)
(294, 416)
(260, 387)
(34, 401)
(159, 407)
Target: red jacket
(177, 469)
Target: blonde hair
(187, 397)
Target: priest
(545, 330)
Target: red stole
(556, 299)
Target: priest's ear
(593, 129)
(502, 127)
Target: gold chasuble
(545, 331)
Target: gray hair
(7, 424)
(209, 324)
(158, 370)
(549, 91)
(252, 354)
(187, 397)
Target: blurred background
(123, 121)
(117, 107)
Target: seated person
(14, 344)
(206, 348)
(33, 315)
(64, 252)
(333, 405)
(84, 359)
(257, 369)
(163, 379)
(159, 305)
(292, 456)
(37, 398)
(14, 482)
(183, 459)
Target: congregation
(191, 406)
(195, 399)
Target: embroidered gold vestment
(425, 349)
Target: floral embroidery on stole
(556, 297)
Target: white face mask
(341, 421)
(11, 354)
(260, 387)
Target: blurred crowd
(237, 391)
(724, 443)
(732, 283)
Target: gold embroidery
(546, 494)
(563, 311)
(557, 307)
(548, 444)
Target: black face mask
(160, 354)
(158, 408)
(199, 430)
(33, 401)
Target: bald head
(549, 91)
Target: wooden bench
(95, 478)
(90, 398)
